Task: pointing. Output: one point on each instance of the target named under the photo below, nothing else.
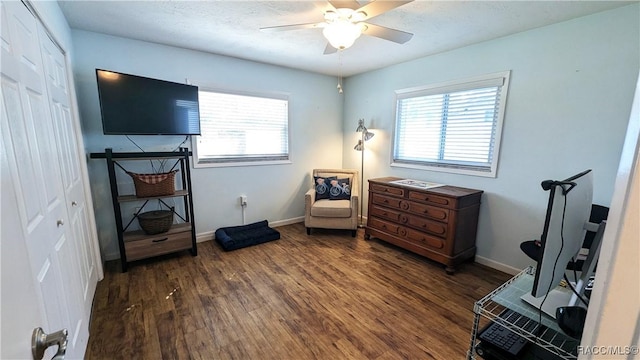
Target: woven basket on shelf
(148, 185)
(156, 222)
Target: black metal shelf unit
(136, 245)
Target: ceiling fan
(344, 22)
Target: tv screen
(136, 105)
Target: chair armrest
(354, 202)
(310, 198)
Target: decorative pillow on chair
(322, 185)
(340, 189)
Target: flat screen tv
(136, 105)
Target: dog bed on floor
(237, 237)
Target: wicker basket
(148, 185)
(156, 222)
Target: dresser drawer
(429, 226)
(432, 199)
(424, 240)
(385, 226)
(389, 201)
(157, 245)
(416, 237)
(429, 211)
(387, 214)
(388, 190)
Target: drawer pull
(160, 240)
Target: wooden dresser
(439, 223)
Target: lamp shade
(368, 135)
(341, 33)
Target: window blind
(455, 128)
(240, 128)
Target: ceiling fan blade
(348, 4)
(293, 27)
(329, 49)
(386, 33)
(376, 8)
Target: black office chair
(598, 213)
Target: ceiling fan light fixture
(345, 21)
(330, 15)
(342, 33)
(357, 16)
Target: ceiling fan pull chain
(340, 91)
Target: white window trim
(220, 164)
(450, 86)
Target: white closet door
(72, 180)
(33, 187)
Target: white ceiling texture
(232, 28)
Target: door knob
(40, 341)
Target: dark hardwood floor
(324, 296)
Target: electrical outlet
(243, 200)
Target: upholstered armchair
(332, 202)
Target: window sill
(446, 169)
(210, 164)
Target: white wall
(275, 192)
(567, 110)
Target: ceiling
(232, 27)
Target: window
(242, 129)
(451, 127)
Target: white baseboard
(111, 256)
(286, 221)
(497, 265)
(205, 236)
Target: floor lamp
(366, 136)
